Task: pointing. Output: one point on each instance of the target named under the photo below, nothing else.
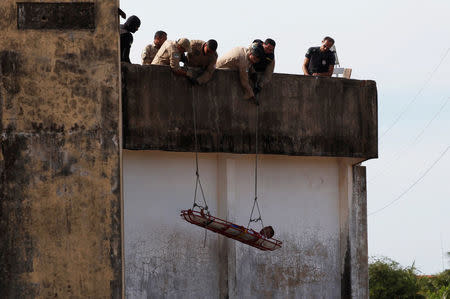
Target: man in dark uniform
(265, 66)
(126, 38)
(269, 57)
(319, 61)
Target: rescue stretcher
(231, 230)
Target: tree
(387, 279)
(435, 286)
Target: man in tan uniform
(242, 59)
(170, 54)
(151, 50)
(201, 61)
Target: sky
(402, 45)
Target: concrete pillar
(358, 234)
(345, 187)
(226, 210)
(353, 230)
(60, 190)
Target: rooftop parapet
(298, 115)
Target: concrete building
(313, 133)
(90, 208)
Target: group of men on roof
(255, 64)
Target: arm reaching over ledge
(241, 59)
(170, 54)
(201, 61)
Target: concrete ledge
(298, 115)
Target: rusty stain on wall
(60, 217)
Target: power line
(429, 123)
(413, 143)
(413, 184)
(416, 96)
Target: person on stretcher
(267, 231)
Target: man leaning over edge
(170, 54)
(242, 60)
(201, 61)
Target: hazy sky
(403, 46)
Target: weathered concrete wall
(164, 257)
(317, 204)
(353, 230)
(306, 199)
(358, 235)
(60, 214)
(299, 115)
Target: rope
(255, 201)
(256, 151)
(197, 173)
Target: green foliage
(436, 286)
(387, 279)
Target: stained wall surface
(312, 133)
(60, 213)
(298, 115)
(164, 257)
(299, 196)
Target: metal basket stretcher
(231, 230)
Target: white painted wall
(165, 257)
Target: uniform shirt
(266, 65)
(149, 54)
(168, 54)
(264, 62)
(126, 39)
(237, 59)
(319, 62)
(198, 58)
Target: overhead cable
(411, 144)
(413, 184)
(416, 96)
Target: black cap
(132, 24)
(270, 41)
(212, 44)
(257, 50)
(159, 34)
